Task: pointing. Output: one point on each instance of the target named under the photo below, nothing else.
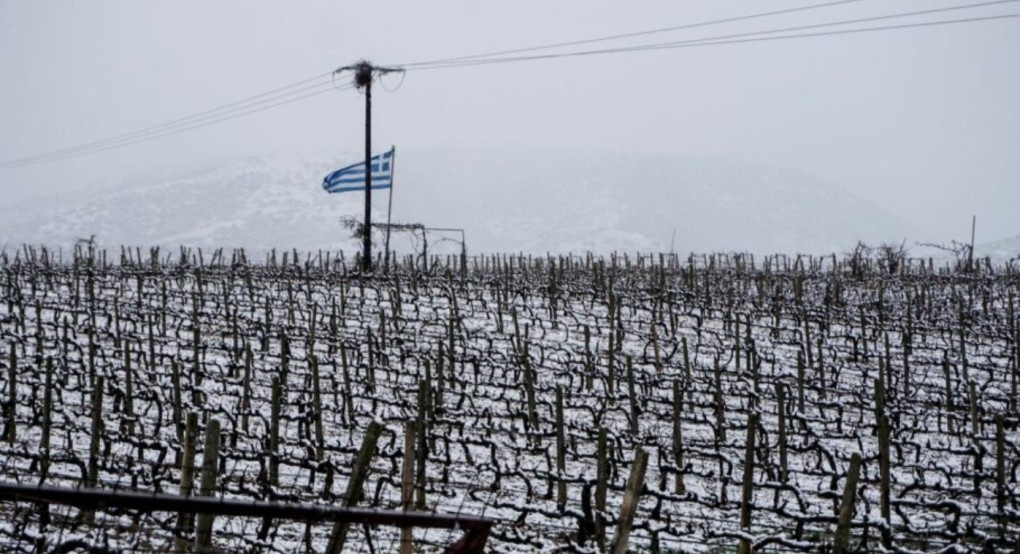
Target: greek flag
(352, 177)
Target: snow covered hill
(517, 200)
(1000, 251)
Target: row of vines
(522, 389)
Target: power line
(165, 133)
(631, 35)
(155, 131)
(216, 114)
(302, 89)
(712, 41)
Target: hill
(517, 200)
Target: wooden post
(611, 361)
(246, 387)
(210, 465)
(317, 409)
(274, 435)
(363, 77)
(747, 495)
(44, 462)
(601, 486)
(1000, 472)
(407, 485)
(178, 409)
(688, 381)
(630, 502)
(632, 397)
(129, 393)
(678, 449)
(185, 519)
(561, 458)
(10, 430)
(529, 386)
(720, 405)
(355, 486)
(800, 382)
(97, 430)
(884, 478)
(781, 400)
(421, 452)
(846, 509)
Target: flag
(352, 177)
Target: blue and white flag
(352, 177)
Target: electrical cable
(239, 105)
(165, 133)
(291, 93)
(633, 34)
(711, 41)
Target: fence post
(184, 519)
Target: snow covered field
(668, 356)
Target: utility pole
(364, 74)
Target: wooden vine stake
(92, 476)
(274, 435)
(407, 485)
(631, 496)
(882, 427)
(632, 398)
(184, 519)
(561, 458)
(841, 544)
(781, 408)
(747, 495)
(320, 443)
(355, 486)
(10, 430)
(421, 452)
(210, 464)
(601, 486)
(1000, 473)
(678, 442)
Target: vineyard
(705, 404)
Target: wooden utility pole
(364, 74)
(363, 78)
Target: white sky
(925, 122)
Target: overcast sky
(924, 122)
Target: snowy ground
(495, 343)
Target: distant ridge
(506, 200)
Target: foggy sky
(924, 122)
